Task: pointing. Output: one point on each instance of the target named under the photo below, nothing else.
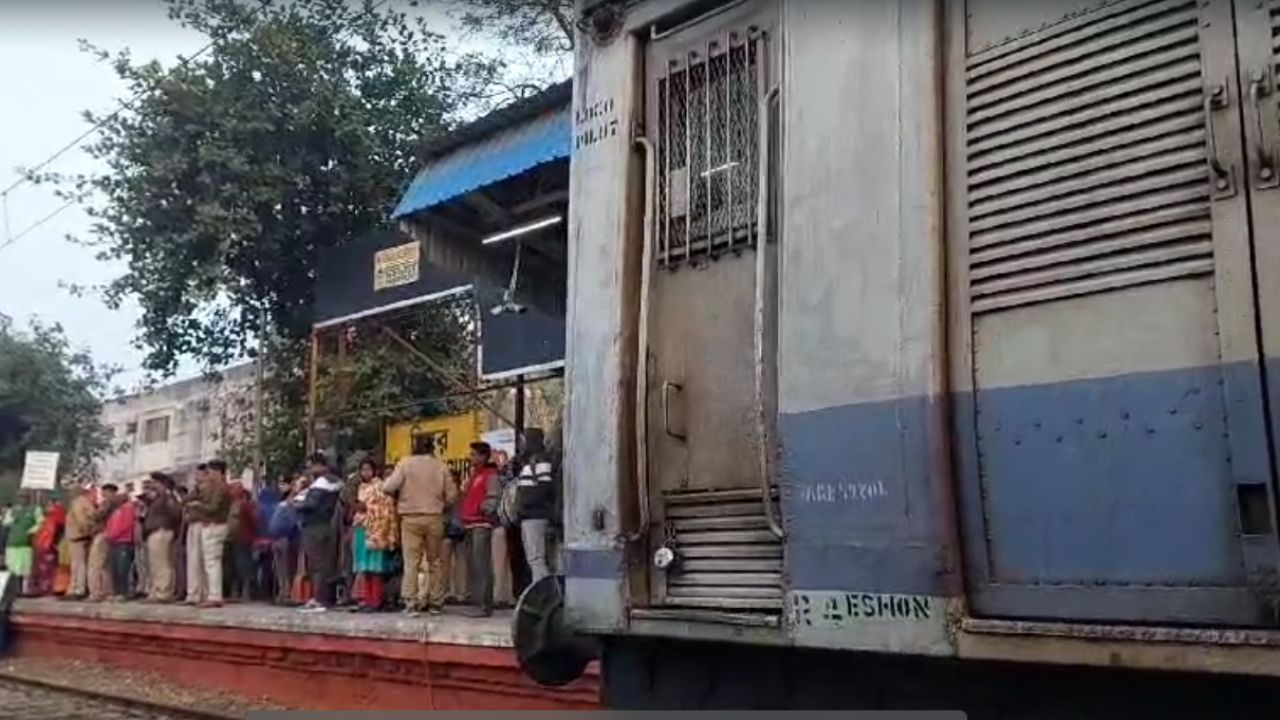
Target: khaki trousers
(204, 561)
(422, 537)
(456, 568)
(79, 568)
(160, 564)
(99, 576)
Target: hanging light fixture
(523, 229)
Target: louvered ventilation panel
(729, 559)
(1086, 157)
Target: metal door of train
(708, 318)
(1112, 177)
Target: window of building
(156, 430)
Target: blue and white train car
(918, 353)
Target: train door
(1258, 87)
(1106, 162)
(708, 318)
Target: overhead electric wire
(10, 239)
(26, 177)
(125, 105)
(183, 61)
(15, 238)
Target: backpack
(508, 509)
(284, 522)
(454, 528)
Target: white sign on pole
(503, 440)
(40, 472)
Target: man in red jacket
(119, 533)
(242, 531)
(479, 504)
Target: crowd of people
(413, 537)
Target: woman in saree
(374, 535)
(45, 548)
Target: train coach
(922, 353)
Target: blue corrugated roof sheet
(504, 154)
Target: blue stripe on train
(1108, 482)
(1120, 480)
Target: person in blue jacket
(282, 529)
(267, 501)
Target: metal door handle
(667, 387)
(1259, 88)
(1216, 98)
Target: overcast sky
(45, 84)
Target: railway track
(25, 698)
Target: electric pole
(259, 471)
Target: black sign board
(512, 343)
(385, 271)
(380, 271)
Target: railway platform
(331, 661)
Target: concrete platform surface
(452, 628)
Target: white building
(175, 427)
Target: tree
(50, 399)
(374, 381)
(384, 377)
(232, 172)
(537, 37)
(544, 26)
(284, 399)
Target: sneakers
(311, 607)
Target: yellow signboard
(453, 436)
(396, 266)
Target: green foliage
(284, 398)
(233, 171)
(375, 380)
(50, 399)
(381, 375)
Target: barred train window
(708, 149)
